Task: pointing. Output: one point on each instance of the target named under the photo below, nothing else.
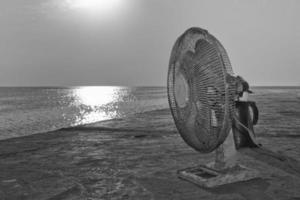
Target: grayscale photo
(149, 100)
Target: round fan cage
(201, 89)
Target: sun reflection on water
(98, 103)
(96, 95)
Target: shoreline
(83, 126)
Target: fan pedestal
(224, 170)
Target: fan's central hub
(181, 90)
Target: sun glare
(95, 6)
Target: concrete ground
(134, 158)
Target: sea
(30, 110)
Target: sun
(95, 6)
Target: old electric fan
(209, 106)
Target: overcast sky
(69, 42)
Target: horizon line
(70, 86)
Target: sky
(128, 42)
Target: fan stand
(224, 170)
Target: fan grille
(200, 90)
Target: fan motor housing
(201, 90)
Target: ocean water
(29, 110)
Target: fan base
(205, 176)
